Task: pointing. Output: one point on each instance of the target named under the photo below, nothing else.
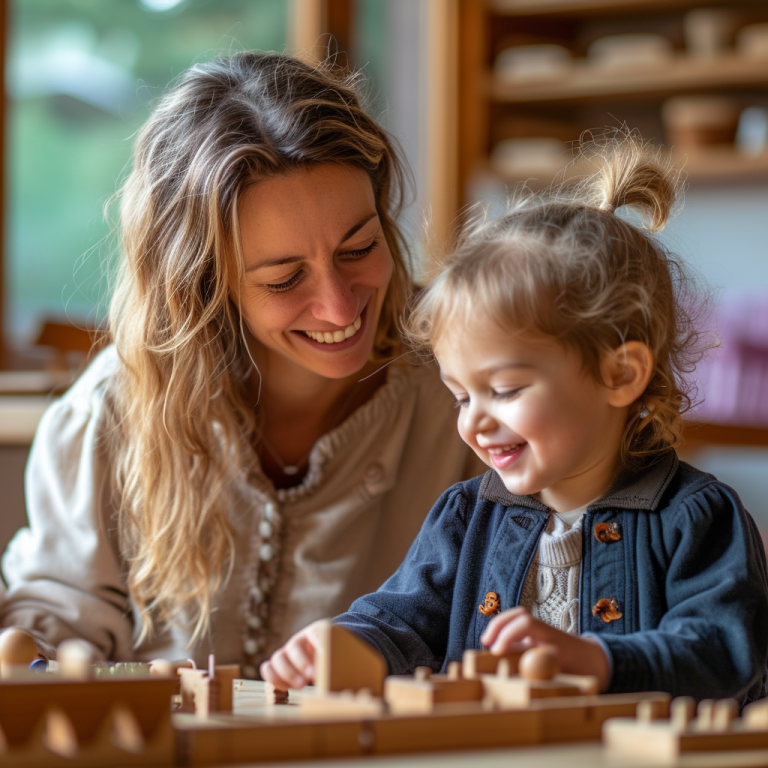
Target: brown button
(607, 609)
(491, 605)
(607, 532)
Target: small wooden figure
(17, 650)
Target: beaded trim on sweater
(551, 587)
(262, 570)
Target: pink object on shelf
(732, 379)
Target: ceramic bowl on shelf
(699, 121)
(533, 62)
(631, 50)
(752, 40)
(519, 158)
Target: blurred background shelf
(522, 8)
(587, 82)
(691, 74)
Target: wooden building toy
(538, 678)
(715, 726)
(48, 720)
(344, 662)
(204, 691)
(425, 691)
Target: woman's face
(317, 267)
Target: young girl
(564, 332)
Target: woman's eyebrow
(280, 261)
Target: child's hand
(516, 629)
(293, 665)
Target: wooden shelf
(700, 434)
(522, 8)
(711, 165)
(587, 82)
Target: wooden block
(504, 692)
(716, 728)
(405, 694)
(347, 704)
(274, 695)
(345, 662)
(475, 663)
(226, 675)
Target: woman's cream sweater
(302, 553)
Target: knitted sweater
(551, 587)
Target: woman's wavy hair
(560, 263)
(183, 425)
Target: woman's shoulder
(85, 399)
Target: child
(564, 332)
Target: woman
(244, 459)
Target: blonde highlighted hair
(183, 425)
(561, 264)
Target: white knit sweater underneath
(551, 587)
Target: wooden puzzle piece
(345, 662)
(424, 691)
(204, 691)
(712, 727)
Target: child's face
(530, 411)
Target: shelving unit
(587, 96)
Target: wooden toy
(474, 663)
(345, 662)
(17, 649)
(48, 720)
(204, 691)
(714, 727)
(425, 691)
(75, 658)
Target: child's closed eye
(507, 393)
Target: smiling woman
(252, 452)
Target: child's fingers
(286, 671)
(521, 628)
(268, 673)
(301, 654)
(497, 623)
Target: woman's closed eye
(289, 283)
(353, 255)
(359, 253)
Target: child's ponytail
(632, 173)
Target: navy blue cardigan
(688, 574)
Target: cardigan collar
(632, 489)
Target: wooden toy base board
(658, 740)
(257, 732)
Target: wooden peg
(682, 712)
(704, 713)
(756, 715)
(422, 673)
(454, 670)
(648, 711)
(724, 713)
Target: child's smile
(530, 410)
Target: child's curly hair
(561, 264)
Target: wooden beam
(3, 111)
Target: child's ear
(626, 372)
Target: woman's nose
(335, 301)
